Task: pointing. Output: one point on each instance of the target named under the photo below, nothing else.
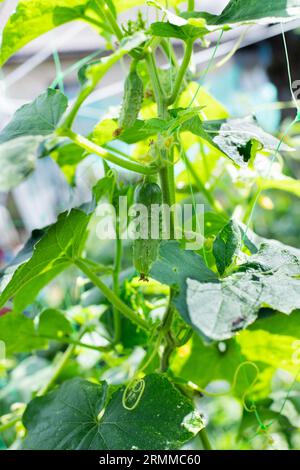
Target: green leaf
(267, 279)
(238, 11)
(53, 323)
(276, 350)
(33, 18)
(48, 252)
(103, 132)
(240, 139)
(202, 364)
(20, 140)
(279, 324)
(184, 32)
(38, 118)
(281, 183)
(19, 335)
(68, 156)
(226, 246)
(174, 266)
(85, 416)
(18, 160)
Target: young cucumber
(132, 100)
(145, 248)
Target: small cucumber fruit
(145, 250)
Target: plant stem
(109, 17)
(165, 172)
(167, 196)
(167, 334)
(182, 70)
(116, 284)
(191, 5)
(111, 296)
(169, 52)
(10, 424)
(205, 439)
(158, 93)
(77, 343)
(58, 368)
(91, 147)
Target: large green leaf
(239, 11)
(273, 340)
(84, 416)
(240, 139)
(270, 278)
(48, 252)
(39, 118)
(19, 334)
(183, 32)
(21, 138)
(18, 160)
(33, 18)
(203, 363)
(54, 324)
(174, 266)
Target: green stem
(205, 439)
(70, 118)
(162, 111)
(10, 424)
(109, 17)
(182, 70)
(158, 92)
(191, 5)
(166, 334)
(169, 52)
(111, 296)
(116, 283)
(164, 175)
(58, 368)
(251, 205)
(74, 342)
(91, 147)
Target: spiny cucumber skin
(132, 100)
(145, 251)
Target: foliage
(119, 363)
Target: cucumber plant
(137, 357)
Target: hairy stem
(158, 93)
(109, 18)
(77, 343)
(91, 147)
(59, 367)
(191, 5)
(116, 283)
(111, 296)
(205, 439)
(182, 70)
(10, 424)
